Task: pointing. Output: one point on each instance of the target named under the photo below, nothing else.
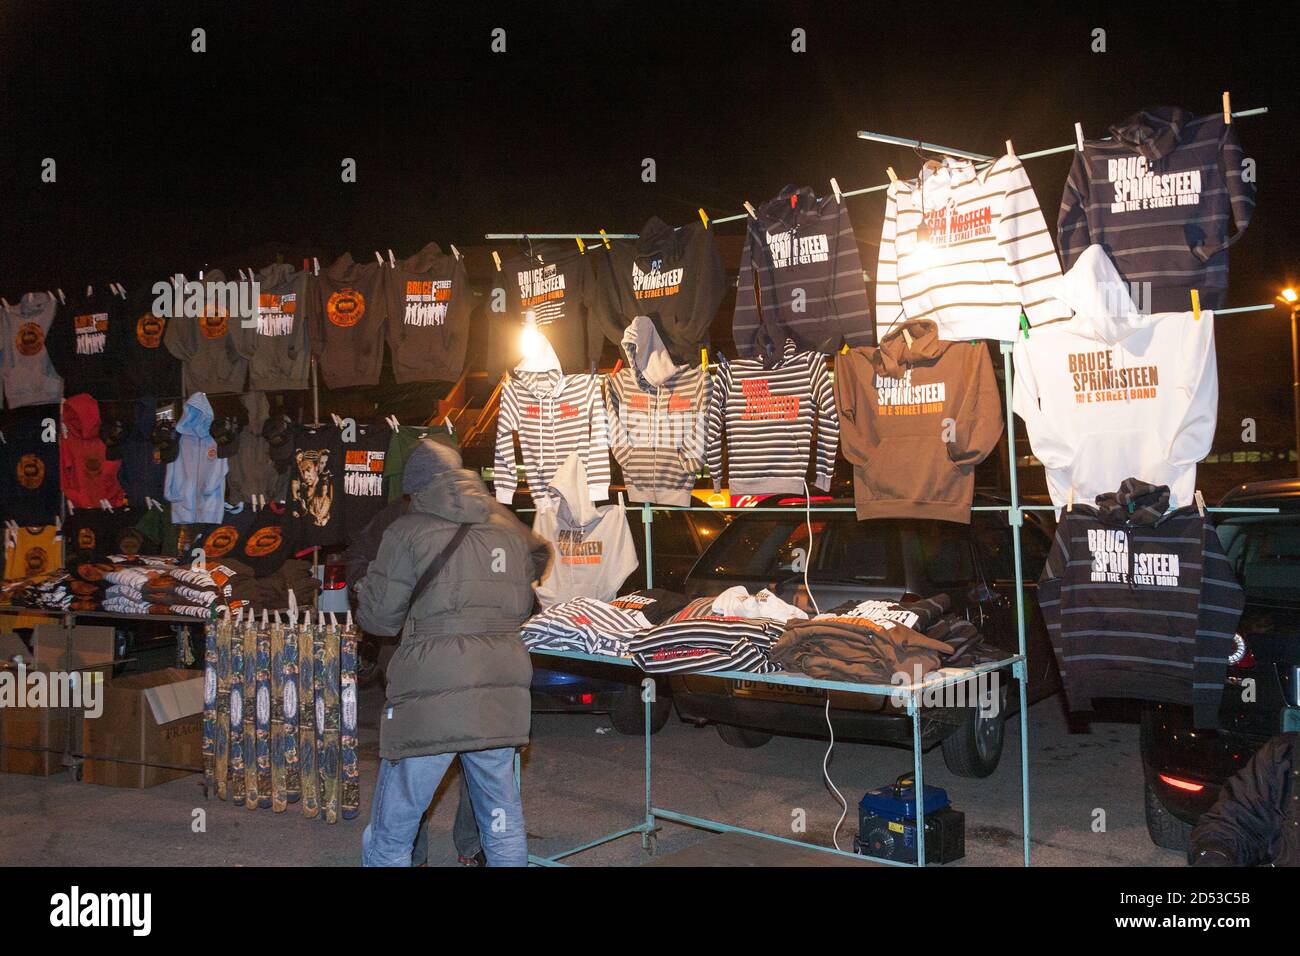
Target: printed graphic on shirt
(94, 465)
(879, 613)
(656, 283)
(427, 302)
(345, 308)
(1096, 379)
(648, 424)
(36, 560)
(213, 323)
(574, 550)
(219, 543)
(790, 249)
(31, 471)
(30, 339)
(948, 226)
(898, 396)
(312, 487)
(91, 332)
(762, 406)
(1112, 562)
(264, 541)
(562, 411)
(1138, 187)
(86, 538)
(363, 473)
(149, 330)
(131, 542)
(633, 602)
(541, 291)
(275, 313)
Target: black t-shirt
(92, 534)
(315, 515)
(29, 466)
(85, 343)
(266, 547)
(363, 477)
(557, 285)
(227, 538)
(657, 604)
(148, 368)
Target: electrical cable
(835, 833)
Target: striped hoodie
(584, 625)
(1140, 603)
(555, 415)
(989, 256)
(810, 283)
(1158, 194)
(767, 413)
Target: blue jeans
(406, 787)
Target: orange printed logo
(263, 541)
(213, 325)
(131, 542)
(31, 471)
(345, 308)
(86, 538)
(220, 541)
(36, 561)
(30, 339)
(149, 330)
(93, 467)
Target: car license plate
(753, 688)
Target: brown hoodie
(915, 420)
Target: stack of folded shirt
(44, 592)
(657, 604)
(584, 625)
(700, 644)
(271, 592)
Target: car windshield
(1265, 552)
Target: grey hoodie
(251, 470)
(428, 316)
(29, 375)
(593, 548)
(656, 411)
(214, 346)
(281, 354)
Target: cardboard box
(33, 740)
(151, 730)
(81, 646)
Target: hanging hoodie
(404, 440)
(556, 285)
(281, 356)
(214, 335)
(429, 304)
(1158, 194)
(767, 413)
(347, 321)
(315, 490)
(88, 477)
(142, 471)
(29, 376)
(148, 366)
(555, 415)
(657, 418)
(916, 417)
(674, 276)
(196, 479)
(29, 465)
(1140, 603)
(801, 252)
(252, 472)
(84, 343)
(1114, 392)
(592, 551)
(989, 256)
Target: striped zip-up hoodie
(989, 255)
(555, 415)
(1158, 195)
(767, 413)
(584, 625)
(811, 287)
(657, 413)
(1140, 603)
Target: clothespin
(277, 618)
(1024, 324)
(704, 217)
(844, 349)
(392, 260)
(622, 502)
(1069, 505)
(293, 607)
(320, 618)
(242, 277)
(379, 259)
(722, 359)
(618, 365)
(749, 208)
(907, 336)
(90, 290)
(446, 423)
(348, 619)
(496, 257)
(704, 358)
(4, 302)
(1196, 305)
(315, 265)
(1010, 149)
(591, 367)
(893, 176)
(605, 239)
(1227, 108)
(1200, 498)
(62, 300)
(835, 188)
(264, 617)
(1078, 136)
(393, 423)
(582, 246)
(454, 251)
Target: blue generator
(887, 824)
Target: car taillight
(1180, 784)
(1242, 657)
(586, 699)
(336, 577)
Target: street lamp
(1291, 299)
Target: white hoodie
(592, 551)
(737, 602)
(1113, 394)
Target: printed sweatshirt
(767, 414)
(149, 368)
(252, 472)
(674, 276)
(88, 478)
(989, 256)
(196, 479)
(29, 466)
(1114, 392)
(347, 322)
(429, 306)
(583, 625)
(657, 418)
(215, 344)
(916, 417)
(555, 415)
(84, 343)
(592, 551)
(556, 287)
(29, 376)
(801, 278)
(142, 471)
(1140, 603)
(281, 356)
(1158, 194)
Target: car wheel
(1165, 829)
(742, 737)
(975, 747)
(628, 712)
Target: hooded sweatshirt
(767, 412)
(592, 548)
(29, 466)
(148, 367)
(1114, 392)
(88, 477)
(555, 415)
(84, 343)
(989, 257)
(347, 322)
(556, 285)
(1158, 195)
(1140, 603)
(429, 305)
(674, 276)
(196, 479)
(916, 417)
(656, 413)
(215, 344)
(29, 375)
(281, 351)
(142, 466)
(251, 470)
(811, 287)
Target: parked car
(892, 559)
(1186, 767)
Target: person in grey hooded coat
(459, 682)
